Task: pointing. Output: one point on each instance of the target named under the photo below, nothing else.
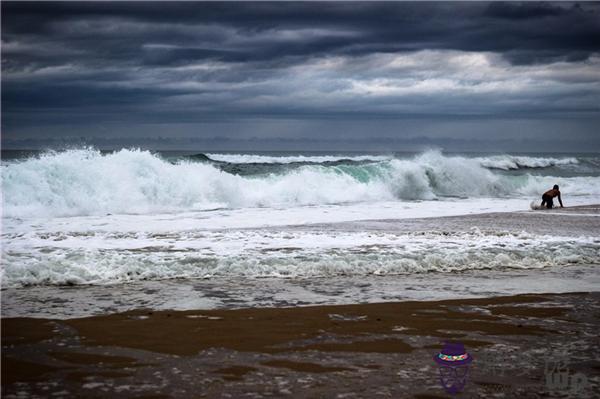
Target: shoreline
(222, 294)
(345, 215)
(375, 350)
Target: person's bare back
(549, 195)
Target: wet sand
(363, 350)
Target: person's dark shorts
(546, 199)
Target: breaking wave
(86, 182)
(511, 162)
(250, 158)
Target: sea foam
(100, 258)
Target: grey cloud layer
(76, 62)
(184, 32)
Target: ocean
(91, 232)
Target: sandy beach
(373, 350)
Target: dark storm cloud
(169, 62)
(121, 29)
(525, 10)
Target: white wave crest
(511, 162)
(85, 182)
(284, 159)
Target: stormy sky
(310, 75)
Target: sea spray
(87, 182)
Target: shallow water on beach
(185, 294)
(479, 255)
(232, 230)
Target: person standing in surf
(549, 195)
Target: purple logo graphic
(453, 361)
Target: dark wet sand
(366, 350)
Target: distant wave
(86, 182)
(198, 157)
(250, 158)
(503, 162)
(511, 162)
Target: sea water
(88, 218)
